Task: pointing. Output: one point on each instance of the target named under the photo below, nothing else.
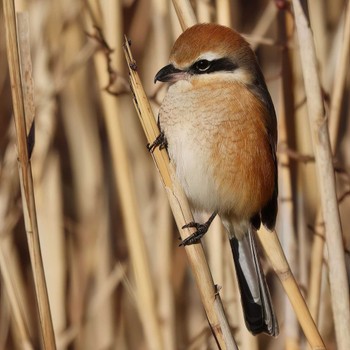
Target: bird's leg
(160, 142)
(201, 231)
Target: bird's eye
(202, 65)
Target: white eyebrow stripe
(209, 56)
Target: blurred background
(115, 274)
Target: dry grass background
(116, 277)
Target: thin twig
(113, 75)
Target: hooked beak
(169, 74)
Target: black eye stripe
(206, 67)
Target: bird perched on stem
(218, 124)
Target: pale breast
(189, 134)
(214, 145)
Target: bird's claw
(195, 237)
(160, 142)
(201, 230)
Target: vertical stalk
(286, 207)
(334, 121)
(324, 166)
(26, 179)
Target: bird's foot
(201, 230)
(160, 142)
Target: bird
(218, 124)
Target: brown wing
(269, 212)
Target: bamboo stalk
(26, 180)
(320, 139)
(182, 214)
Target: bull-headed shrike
(218, 124)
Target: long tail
(256, 301)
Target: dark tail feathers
(256, 301)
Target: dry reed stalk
(107, 289)
(99, 320)
(46, 169)
(318, 20)
(273, 250)
(320, 138)
(159, 50)
(303, 247)
(159, 226)
(341, 73)
(230, 292)
(176, 28)
(223, 12)
(316, 267)
(26, 180)
(262, 25)
(185, 13)
(50, 218)
(9, 264)
(286, 207)
(203, 11)
(215, 246)
(181, 211)
(82, 137)
(342, 66)
(17, 311)
(136, 245)
(166, 300)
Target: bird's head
(206, 50)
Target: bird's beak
(169, 74)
